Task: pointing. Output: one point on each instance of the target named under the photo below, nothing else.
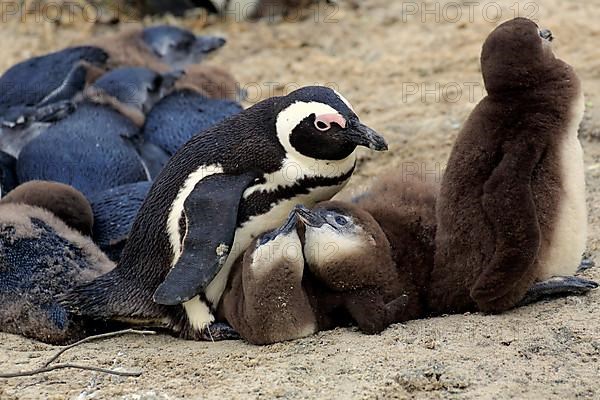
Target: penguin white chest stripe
(177, 206)
(568, 239)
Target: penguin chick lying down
(42, 257)
(341, 271)
(367, 263)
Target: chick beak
(308, 217)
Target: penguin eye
(341, 220)
(322, 125)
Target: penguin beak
(208, 44)
(308, 217)
(546, 34)
(289, 225)
(361, 135)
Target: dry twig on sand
(47, 367)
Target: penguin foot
(586, 263)
(558, 286)
(219, 331)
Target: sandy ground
(408, 76)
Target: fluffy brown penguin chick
(511, 212)
(265, 300)
(346, 250)
(404, 208)
(64, 201)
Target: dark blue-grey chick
(161, 47)
(94, 148)
(183, 114)
(41, 90)
(42, 257)
(114, 212)
(8, 173)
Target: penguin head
(136, 87)
(319, 123)
(281, 244)
(64, 201)
(343, 243)
(178, 47)
(518, 55)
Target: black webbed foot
(556, 287)
(218, 331)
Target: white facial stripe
(290, 117)
(177, 206)
(342, 98)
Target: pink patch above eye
(323, 122)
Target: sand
(408, 76)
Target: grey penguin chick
(40, 90)
(95, 148)
(41, 259)
(161, 48)
(218, 192)
(511, 212)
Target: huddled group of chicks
(227, 242)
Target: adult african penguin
(218, 192)
(511, 211)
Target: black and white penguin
(42, 257)
(114, 211)
(95, 148)
(511, 211)
(217, 193)
(161, 48)
(41, 90)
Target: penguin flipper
(510, 208)
(556, 287)
(211, 218)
